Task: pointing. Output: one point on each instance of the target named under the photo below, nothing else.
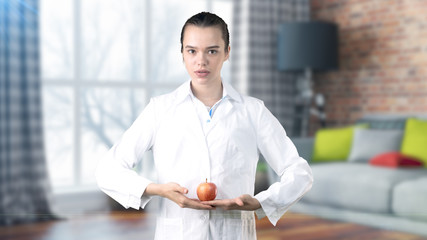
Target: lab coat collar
(228, 90)
(184, 91)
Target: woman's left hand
(244, 202)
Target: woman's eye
(191, 51)
(212, 51)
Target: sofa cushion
(394, 160)
(414, 141)
(357, 186)
(368, 143)
(410, 199)
(333, 144)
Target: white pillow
(367, 143)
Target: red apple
(206, 191)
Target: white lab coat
(224, 149)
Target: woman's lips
(201, 73)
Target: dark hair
(206, 19)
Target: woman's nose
(201, 59)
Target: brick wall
(383, 58)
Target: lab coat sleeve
(115, 175)
(281, 154)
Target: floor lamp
(307, 46)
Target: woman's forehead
(202, 35)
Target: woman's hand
(244, 202)
(175, 193)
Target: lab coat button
(203, 218)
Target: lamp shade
(312, 45)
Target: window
(102, 60)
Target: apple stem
(206, 180)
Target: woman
(205, 130)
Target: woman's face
(204, 53)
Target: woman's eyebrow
(210, 47)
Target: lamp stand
(305, 94)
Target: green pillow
(333, 144)
(414, 141)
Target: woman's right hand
(175, 193)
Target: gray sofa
(356, 191)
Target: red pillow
(395, 160)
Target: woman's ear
(227, 56)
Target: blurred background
(76, 73)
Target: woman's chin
(204, 81)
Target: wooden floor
(136, 226)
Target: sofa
(366, 186)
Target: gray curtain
(254, 47)
(24, 184)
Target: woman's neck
(207, 94)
